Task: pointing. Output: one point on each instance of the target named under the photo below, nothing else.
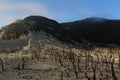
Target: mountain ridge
(105, 31)
(94, 29)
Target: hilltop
(40, 48)
(94, 31)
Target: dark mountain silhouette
(94, 30)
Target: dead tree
(87, 76)
(100, 75)
(113, 71)
(62, 76)
(119, 61)
(94, 67)
(86, 60)
(106, 62)
(2, 65)
(38, 56)
(23, 63)
(59, 59)
(72, 60)
(78, 63)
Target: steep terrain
(95, 29)
(21, 28)
(35, 28)
(98, 31)
(38, 48)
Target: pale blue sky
(60, 10)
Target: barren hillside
(38, 48)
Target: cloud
(10, 12)
(6, 19)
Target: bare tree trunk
(72, 60)
(6, 58)
(2, 64)
(119, 61)
(60, 61)
(101, 75)
(87, 76)
(113, 71)
(94, 66)
(23, 63)
(86, 60)
(38, 57)
(61, 76)
(78, 64)
(106, 62)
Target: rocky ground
(62, 67)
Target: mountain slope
(21, 28)
(34, 40)
(95, 30)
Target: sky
(60, 10)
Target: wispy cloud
(10, 12)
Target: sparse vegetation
(70, 62)
(41, 56)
